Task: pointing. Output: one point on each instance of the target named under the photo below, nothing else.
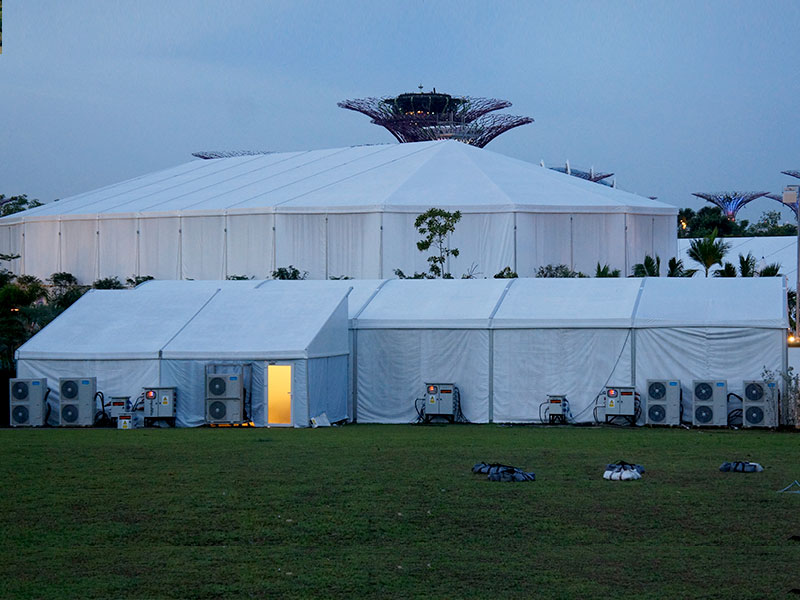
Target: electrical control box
(556, 409)
(160, 404)
(126, 421)
(440, 400)
(118, 405)
(620, 401)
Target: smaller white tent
(164, 334)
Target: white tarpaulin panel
(716, 302)
(300, 241)
(117, 324)
(543, 239)
(354, 245)
(437, 303)
(735, 354)
(114, 377)
(556, 302)
(529, 364)
(591, 234)
(159, 247)
(250, 247)
(79, 248)
(11, 244)
(490, 238)
(202, 238)
(400, 245)
(40, 248)
(394, 365)
(117, 238)
(328, 387)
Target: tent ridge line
(354, 320)
(185, 325)
(635, 310)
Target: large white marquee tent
(338, 212)
(507, 344)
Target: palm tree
(708, 251)
(747, 265)
(649, 267)
(606, 271)
(772, 270)
(727, 270)
(675, 269)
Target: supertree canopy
(590, 175)
(730, 202)
(779, 198)
(792, 173)
(424, 116)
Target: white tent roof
(397, 177)
(192, 320)
(436, 303)
(713, 302)
(547, 303)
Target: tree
(65, 290)
(770, 224)
(693, 224)
(289, 273)
(649, 267)
(708, 251)
(606, 271)
(135, 280)
(15, 204)
(557, 271)
(675, 269)
(108, 283)
(506, 273)
(727, 270)
(435, 225)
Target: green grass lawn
(395, 512)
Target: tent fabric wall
(395, 364)
(327, 378)
(339, 212)
(114, 377)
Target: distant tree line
(708, 219)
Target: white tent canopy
(338, 212)
(169, 333)
(507, 344)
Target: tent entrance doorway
(279, 394)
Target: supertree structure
(730, 202)
(792, 173)
(779, 198)
(424, 116)
(211, 154)
(590, 175)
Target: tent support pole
(633, 357)
(491, 376)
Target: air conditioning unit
(221, 385)
(663, 402)
(224, 398)
(27, 400)
(760, 404)
(710, 403)
(159, 405)
(77, 401)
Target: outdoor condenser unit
(27, 399)
(77, 401)
(159, 405)
(710, 403)
(224, 398)
(663, 402)
(760, 404)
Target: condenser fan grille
(657, 390)
(217, 386)
(69, 390)
(703, 414)
(217, 410)
(754, 392)
(703, 391)
(754, 415)
(20, 414)
(19, 390)
(69, 413)
(657, 413)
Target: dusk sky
(674, 97)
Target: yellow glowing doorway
(279, 394)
